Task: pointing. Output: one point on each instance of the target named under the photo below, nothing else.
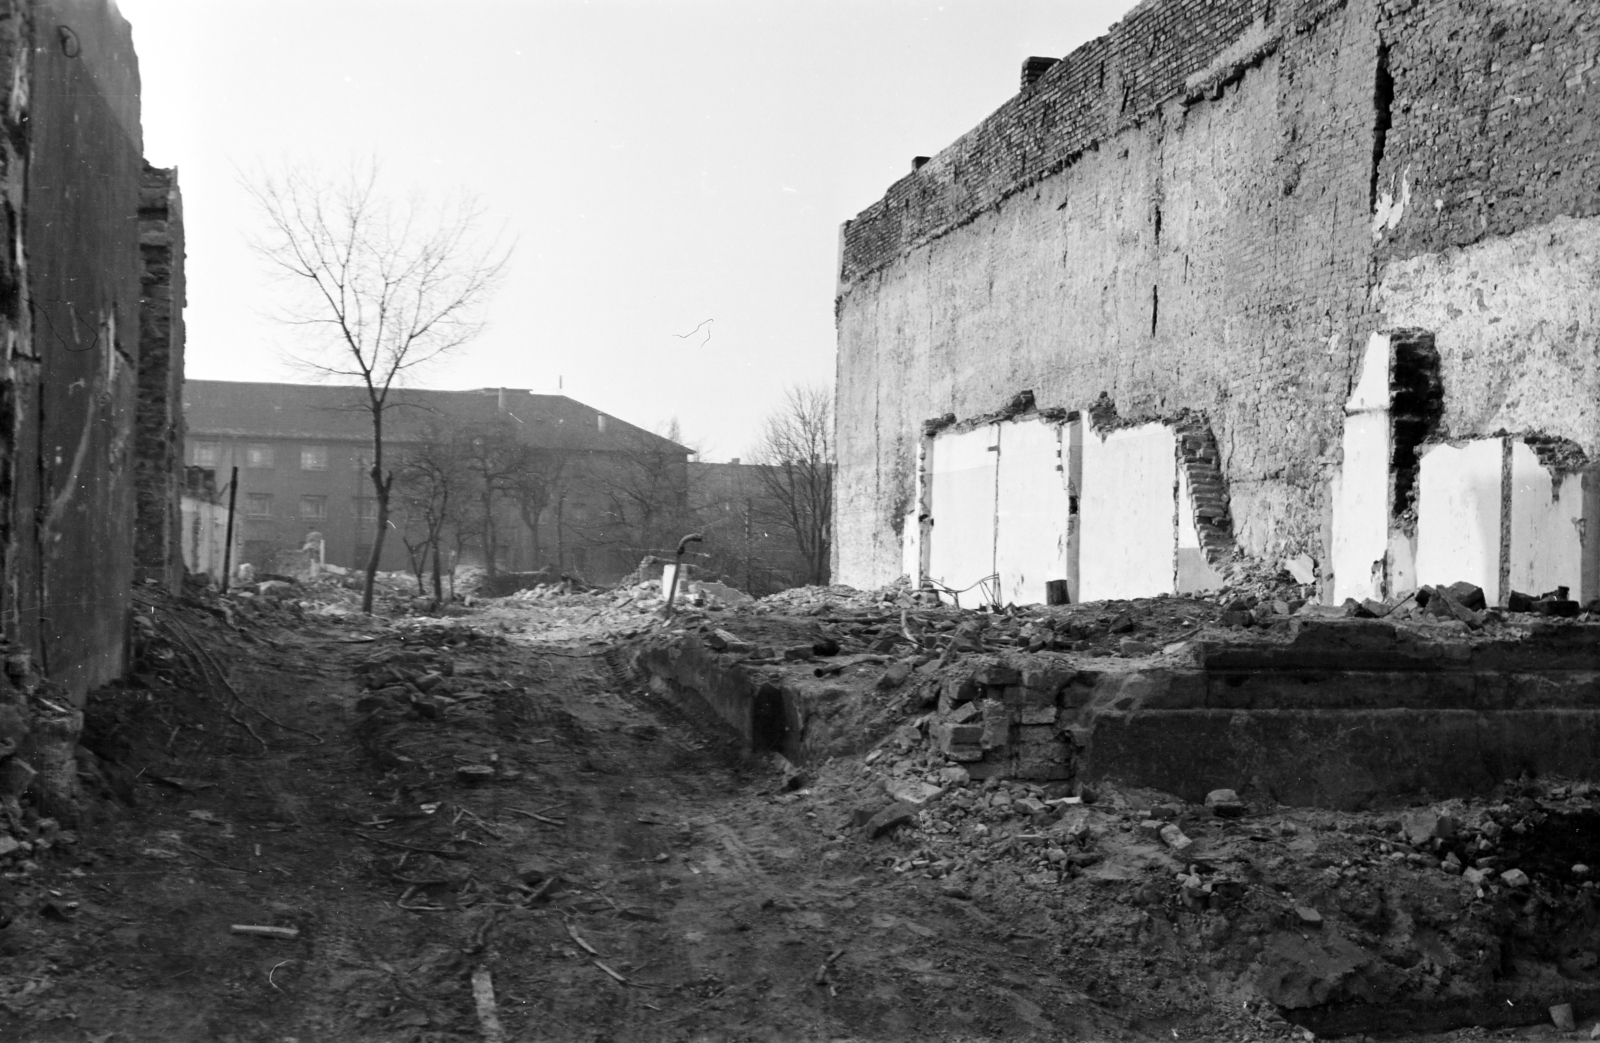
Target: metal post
(227, 548)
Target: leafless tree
(491, 459)
(430, 502)
(796, 451)
(383, 287)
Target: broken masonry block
(1036, 735)
(964, 754)
(946, 735)
(997, 674)
(1044, 680)
(969, 711)
(1225, 803)
(956, 691)
(986, 769)
(1037, 715)
(895, 676)
(1468, 595)
(996, 724)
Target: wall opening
(1382, 103)
(1155, 308)
(1416, 405)
(1158, 226)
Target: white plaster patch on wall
(1391, 207)
(961, 500)
(1361, 500)
(1127, 536)
(1517, 325)
(1549, 519)
(1032, 511)
(1458, 515)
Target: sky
(673, 174)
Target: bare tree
(385, 286)
(430, 496)
(796, 454)
(490, 458)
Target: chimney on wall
(600, 422)
(734, 461)
(1033, 68)
(502, 400)
(917, 163)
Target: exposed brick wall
(158, 449)
(1208, 490)
(1494, 118)
(1211, 209)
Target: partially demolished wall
(1209, 212)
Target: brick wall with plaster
(1210, 210)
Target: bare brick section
(1208, 490)
(158, 447)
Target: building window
(258, 456)
(314, 508)
(366, 509)
(258, 505)
(206, 454)
(313, 458)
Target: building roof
(333, 413)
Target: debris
(1561, 1017)
(1514, 878)
(1308, 916)
(822, 971)
(576, 937)
(266, 932)
(475, 774)
(889, 819)
(1174, 838)
(1225, 803)
(483, 998)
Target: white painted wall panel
(1458, 515)
(961, 499)
(1032, 511)
(1127, 512)
(1546, 526)
(1361, 511)
(1361, 501)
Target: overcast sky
(659, 164)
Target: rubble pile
(1292, 908)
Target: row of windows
(312, 508)
(262, 455)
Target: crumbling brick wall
(158, 449)
(1210, 209)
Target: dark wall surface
(81, 242)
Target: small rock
(1225, 803)
(1307, 916)
(9, 845)
(1561, 1017)
(1580, 871)
(1425, 824)
(1467, 595)
(1514, 878)
(1173, 837)
(895, 676)
(889, 819)
(917, 794)
(1131, 647)
(1150, 828)
(475, 774)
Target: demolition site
(1198, 638)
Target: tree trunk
(380, 486)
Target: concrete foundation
(1336, 713)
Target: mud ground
(606, 868)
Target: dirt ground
(537, 826)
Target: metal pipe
(672, 589)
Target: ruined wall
(73, 379)
(1212, 208)
(158, 451)
(1204, 249)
